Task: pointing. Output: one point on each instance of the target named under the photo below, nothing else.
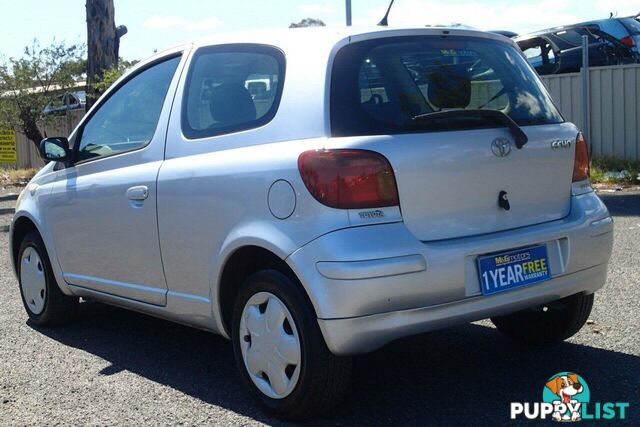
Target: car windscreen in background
(381, 86)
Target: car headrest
(450, 86)
(231, 104)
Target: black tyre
(549, 323)
(43, 300)
(280, 351)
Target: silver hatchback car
(315, 194)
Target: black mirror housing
(55, 149)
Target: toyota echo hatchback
(315, 194)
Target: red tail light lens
(628, 41)
(581, 162)
(349, 179)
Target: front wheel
(43, 300)
(280, 351)
(548, 323)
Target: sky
(159, 24)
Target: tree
(27, 84)
(110, 76)
(103, 44)
(307, 22)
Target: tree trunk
(30, 128)
(103, 43)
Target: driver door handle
(140, 192)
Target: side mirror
(55, 149)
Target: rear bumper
(372, 284)
(367, 333)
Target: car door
(102, 213)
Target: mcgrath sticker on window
(458, 52)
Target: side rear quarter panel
(213, 192)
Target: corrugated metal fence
(614, 109)
(28, 154)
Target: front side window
(128, 119)
(231, 88)
(58, 102)
(381, 86)
(72, 100)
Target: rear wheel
(43, 300)
(548, 323)
(280, 351)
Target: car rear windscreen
(632, 25)
(381, 86)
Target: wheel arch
(23, 223)
(238, 266)
(20, 227)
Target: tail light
(628, 41)
(349, 179)
(581, 162)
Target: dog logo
(567, 392)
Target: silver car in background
(373, 184)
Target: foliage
(600, 165)
(18, 177)
(28, 83)
(112, 74)
(307, 22)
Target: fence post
(586, 101)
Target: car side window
(540, 55)
(231, 88)
(72, 100)
(128, 119)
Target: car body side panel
(67, 228)
(212, 192)
(210, 205)
(30, 205)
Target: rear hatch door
(451, 171)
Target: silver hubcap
(33, 280)
(270, 345)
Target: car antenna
(384, 22)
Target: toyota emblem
(501, 147)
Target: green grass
(601, 165)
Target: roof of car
(329, 36)
(321, 38)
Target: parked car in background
(559, 50)
(65, 102)
(389, 182)
(626, 29)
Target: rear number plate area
(513, 269)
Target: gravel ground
(117, 367)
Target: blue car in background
(626, 29)
(559, 50)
